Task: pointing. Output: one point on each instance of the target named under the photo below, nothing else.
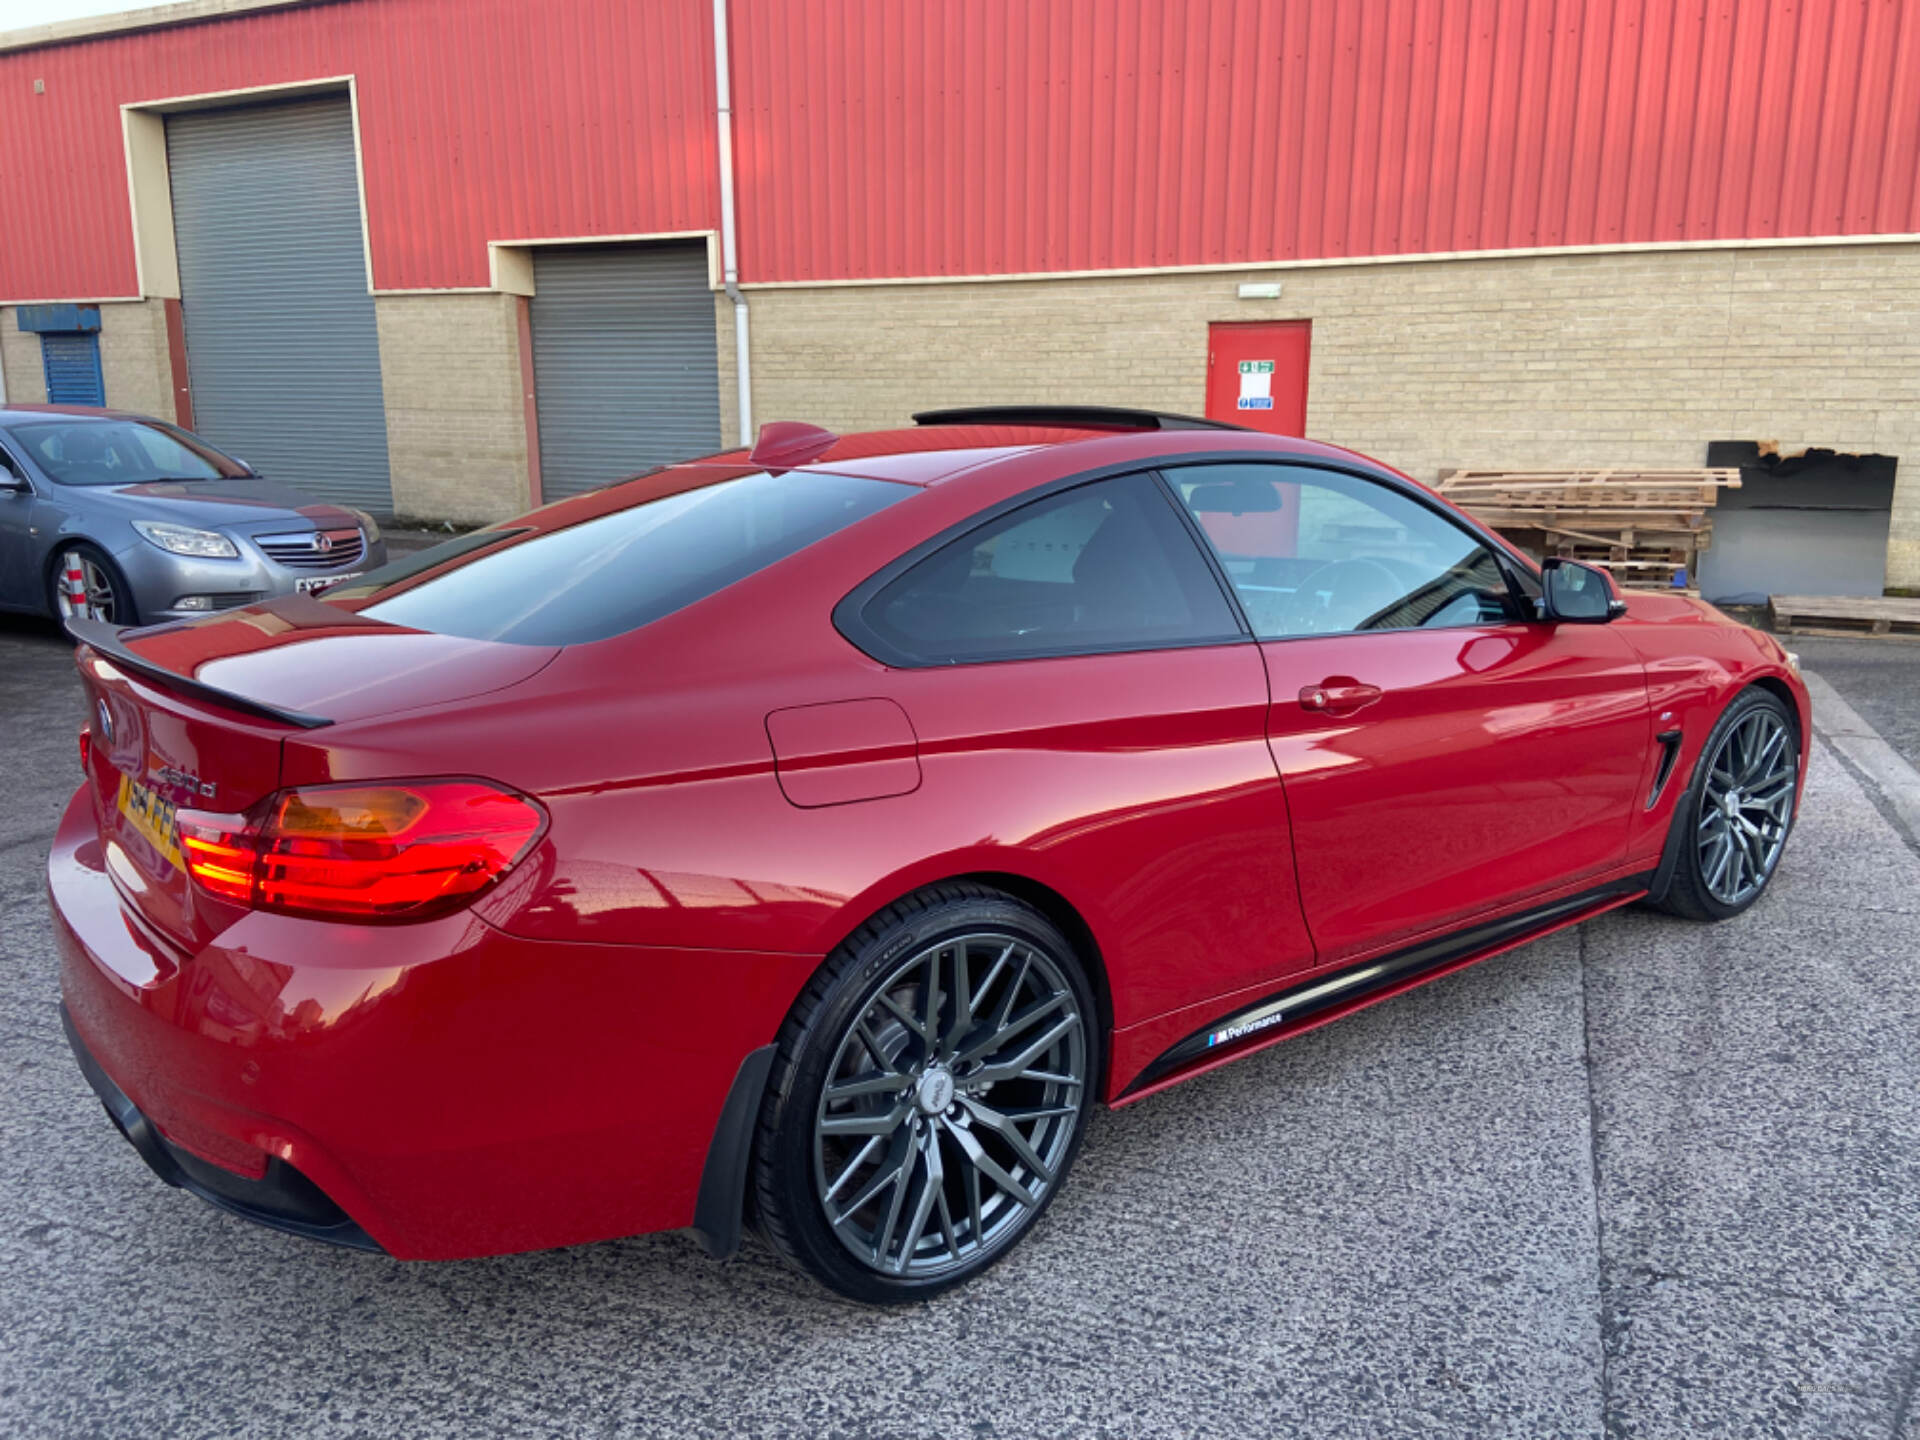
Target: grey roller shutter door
(626, 373)
(282, 353)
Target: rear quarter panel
(670, 828)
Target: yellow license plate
(152, 818)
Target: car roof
(929, 454)
(27, 411)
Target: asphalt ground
(1879, 678)
(1641, 1179)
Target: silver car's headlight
(369, 525)
(185, 540)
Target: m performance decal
(1244, 1028)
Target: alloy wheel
(1746, 806)
(99, 603)
(951, 1105)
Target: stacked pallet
(1648, 527)
(1845, 615)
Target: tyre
(108, 596)
(1738, 810)
(928, 1095)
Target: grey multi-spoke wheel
(1738, 810)
(928, 1096)
(105, 596)
(1747, 805)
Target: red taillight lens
(86, 750)
(219, 851)
(370, 852)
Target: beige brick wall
(1547, 361)
(456, 429)
(26, 377)
(133, 357)
(1638, 358)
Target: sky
(19, 14)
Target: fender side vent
(1669, 757)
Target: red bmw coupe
(815, 834)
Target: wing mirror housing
(1576, 594)
(12, 482)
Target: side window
(1316, 552)
(1105, 566)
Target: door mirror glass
(1580, 594)
(10, 477)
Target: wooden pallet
(1694, 487)
(1643, 525)
(1844, 615)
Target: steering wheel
(1355, 589)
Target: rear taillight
(86, 750)
(220, 851)
(367, 852)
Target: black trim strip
(1069, 415)
(1199, 537)
(1284, 1010)
(100, 636)
(850, 621)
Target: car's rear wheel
(928, 1095)
(1738, 810)
(106, 594)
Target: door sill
(1326, 995)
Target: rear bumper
(281, 1199)
(450, 1090)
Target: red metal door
(1443, 758)
(1491, 767)
(1257, 374)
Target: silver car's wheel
(1746, 805)
(102, 595)
(951, 1102)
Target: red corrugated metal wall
(952, 137)
(958, 137)
(479, 120)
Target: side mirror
(1577, 594)
(11, 480)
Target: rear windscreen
(619, 571)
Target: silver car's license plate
(307, 584)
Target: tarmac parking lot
(1641, 1179)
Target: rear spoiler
(104, 638)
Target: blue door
(73, 368)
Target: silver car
(129, 519)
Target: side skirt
(1321, 998)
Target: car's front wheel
(83, 582)
(1738, 810)
(928, 1095)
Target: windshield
(122, 452)
(618, 571)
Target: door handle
(1342, 699)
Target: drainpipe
(729, 249)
